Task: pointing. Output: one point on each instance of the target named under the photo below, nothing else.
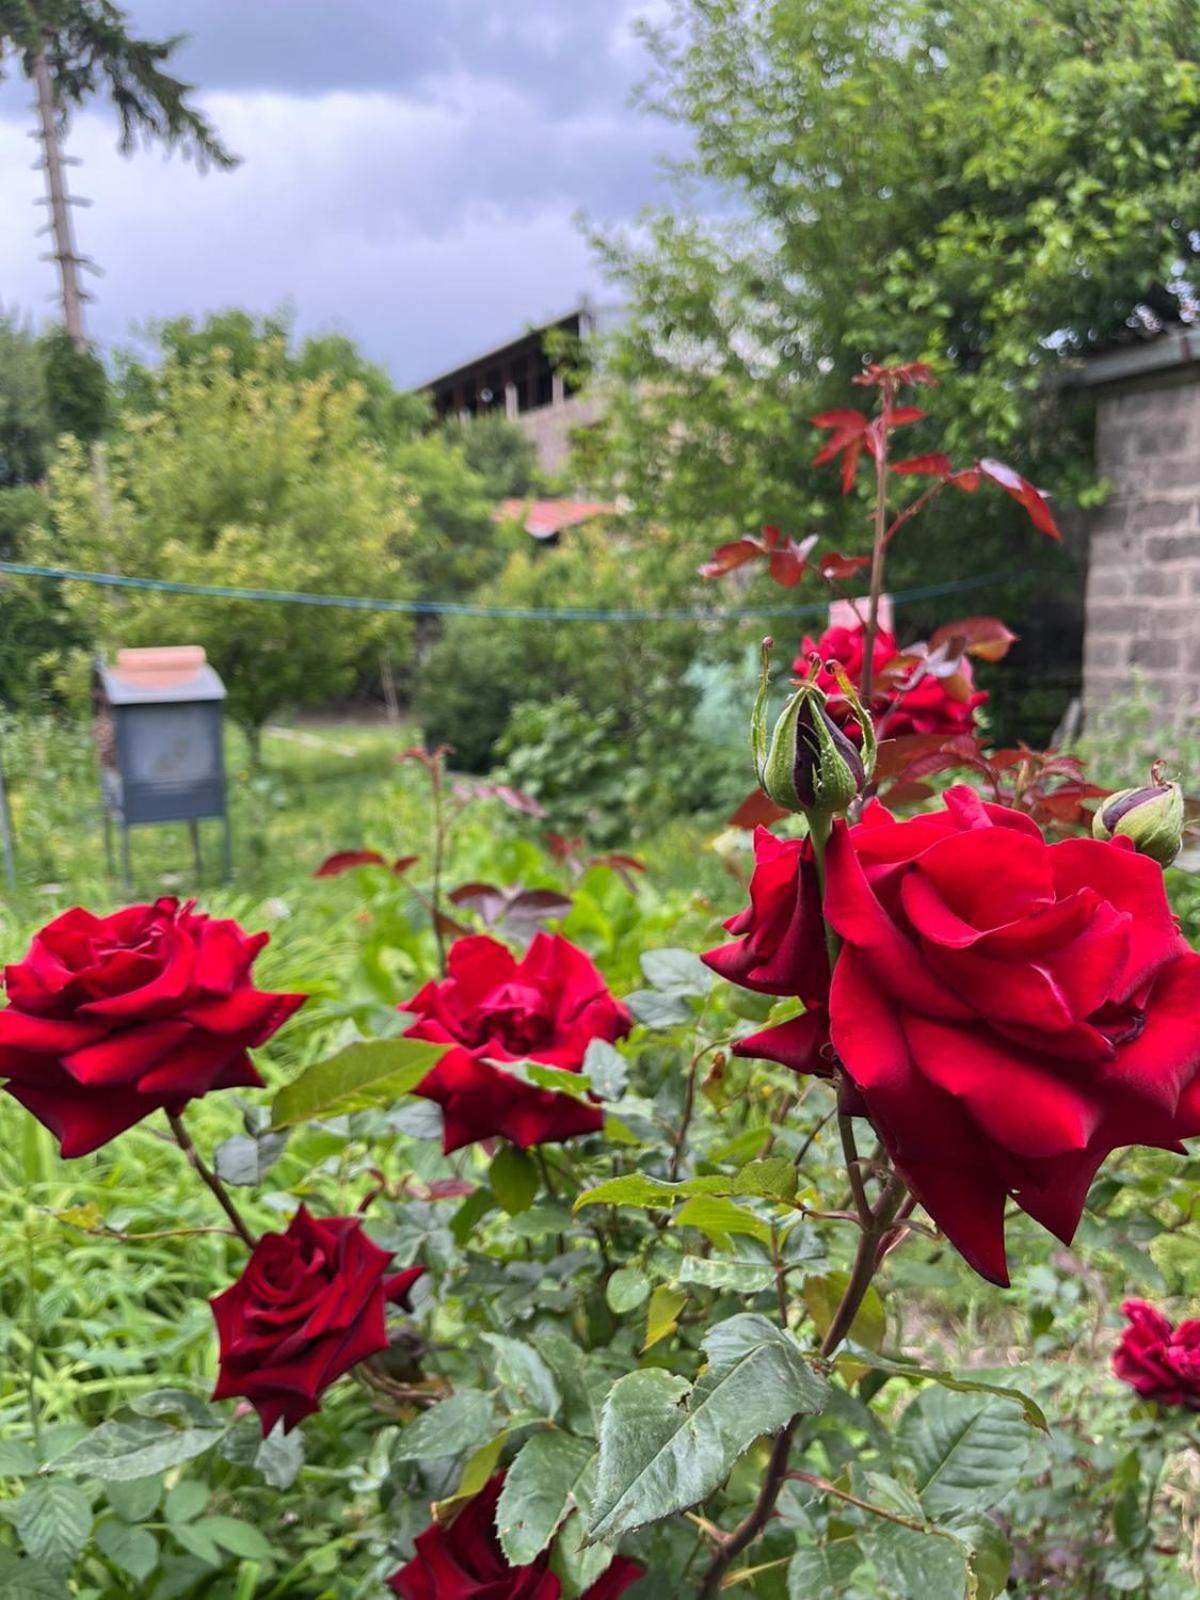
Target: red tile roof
(544, 518)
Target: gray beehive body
(167, 762)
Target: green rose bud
(810, 764)
(1151, 816)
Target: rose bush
(464, 1561)
(674, 1358)
(1007, 1011)
(491, 1008)
(309, 1306)
(111, 1018)
(1159, 1358)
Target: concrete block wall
(1143, 586)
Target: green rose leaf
(967, 1450)
(823, 1569)
(513, 1178)
(362, 1077)
(664, 1444)
(134, 1550)
(448, 1428)
(899, 1366)
(119, 1450)
(53, 1519)
(627, 1289)
(522, 1372)
(538, 1494)
(677, 972)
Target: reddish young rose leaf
(756, 811)
(346, 860)
(788, 565)
(933, 465)
(895, 755)
(836, 568)
(402, 864)
(875, 375)
(620, 864)
(986, 638)
(562, 848)
(729, 557)
(1024, 493)
(852, 429)
(899, 416)
(901, 795)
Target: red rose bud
(810, 764)
(464, 1561)
(309, 1306)
(1158, 1358)
(1150, 817)
(547, 1007)
(111, 1018)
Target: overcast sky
(411, 171)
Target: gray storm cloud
(411, 171)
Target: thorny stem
(205, 1173)
(685, 1115)
(878, 553)
(865, 1263)
(854, 1169)
(439, 850)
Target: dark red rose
(1009, 1011)
(1158, 1358)
(547, 1007)
(464, 1561)
(309, 1306)
(111, 1018)
(925, 708)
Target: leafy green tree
(501, 453)
(252, 340)
(248, 480)
(26, 433)
(77, 390)
(994, 189)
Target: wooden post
(6, 835)
(60, 205)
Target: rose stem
(184, 1140)
(879, 549)
(865, 1263)
(439, 850)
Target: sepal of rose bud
(1150, 817)
(809, 764)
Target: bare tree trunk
(387, 678)
(60, 205)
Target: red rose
(1158, 1359)
(925, 708)
(464, 1561)
(546, 1007)
(1009, 1011)
(111, 1018)
(309, 1306)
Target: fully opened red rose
(1009, 1011)
(1159, 1358)
(924, 709)
(309, 1306)
(464, 1561)
(547, 1007)
(111, 1018)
